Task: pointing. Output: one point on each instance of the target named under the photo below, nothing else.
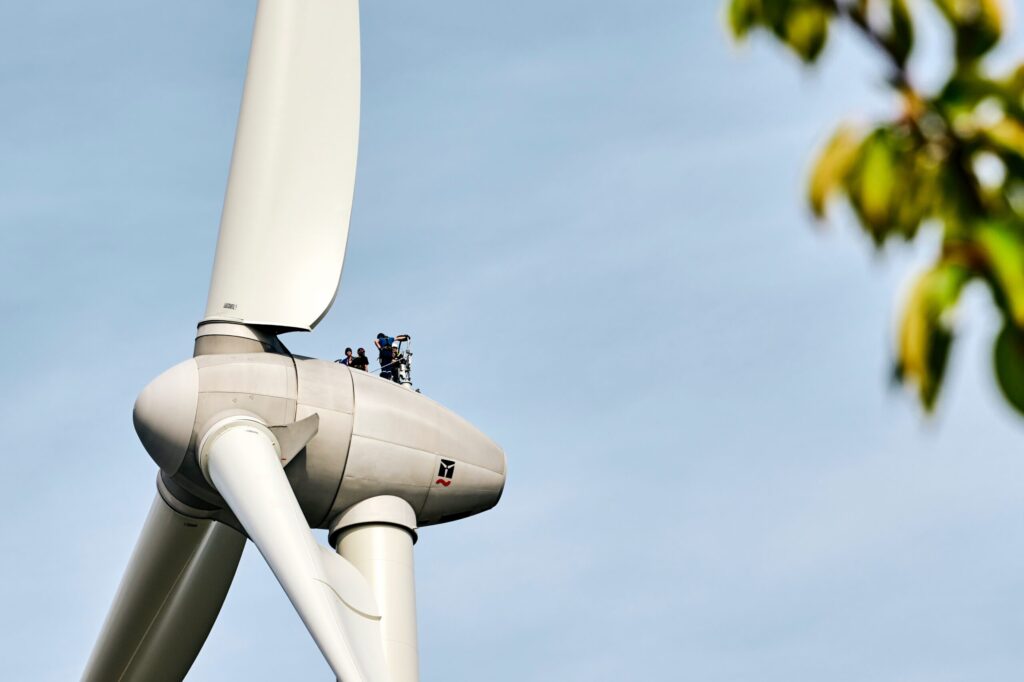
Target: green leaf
(901, 34)
(1015, 83)
(926, 335)
(1008, 362)
(967, 99)
(896, 182)
(1003, 247)
(743, 16)
(871, 183)
(806, 30)
(832, 167)
(977, 24)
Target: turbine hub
(165, 415)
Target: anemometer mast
(403, 361)
(254, 443)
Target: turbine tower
(256, 443)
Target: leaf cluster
(952, 159)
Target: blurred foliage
(952, 160)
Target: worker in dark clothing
(347, 360)
(386, 354)
(360, 361)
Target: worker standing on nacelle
(360, 361)
(388, 355)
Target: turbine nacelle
(373, 436)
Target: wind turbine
(255, 443)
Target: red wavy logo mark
(443, 482)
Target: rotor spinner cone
(165, 414)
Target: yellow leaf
(1008, 134)
(926, 330)
(831, 167)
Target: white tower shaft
(376, 536)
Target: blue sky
(590, 219)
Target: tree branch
(900, 79)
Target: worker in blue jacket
(386, 354)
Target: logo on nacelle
(445, 472)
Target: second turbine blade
(170, 595)
(337, 607)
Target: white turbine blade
(289, 197)
(333, 599)
(170, 595)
